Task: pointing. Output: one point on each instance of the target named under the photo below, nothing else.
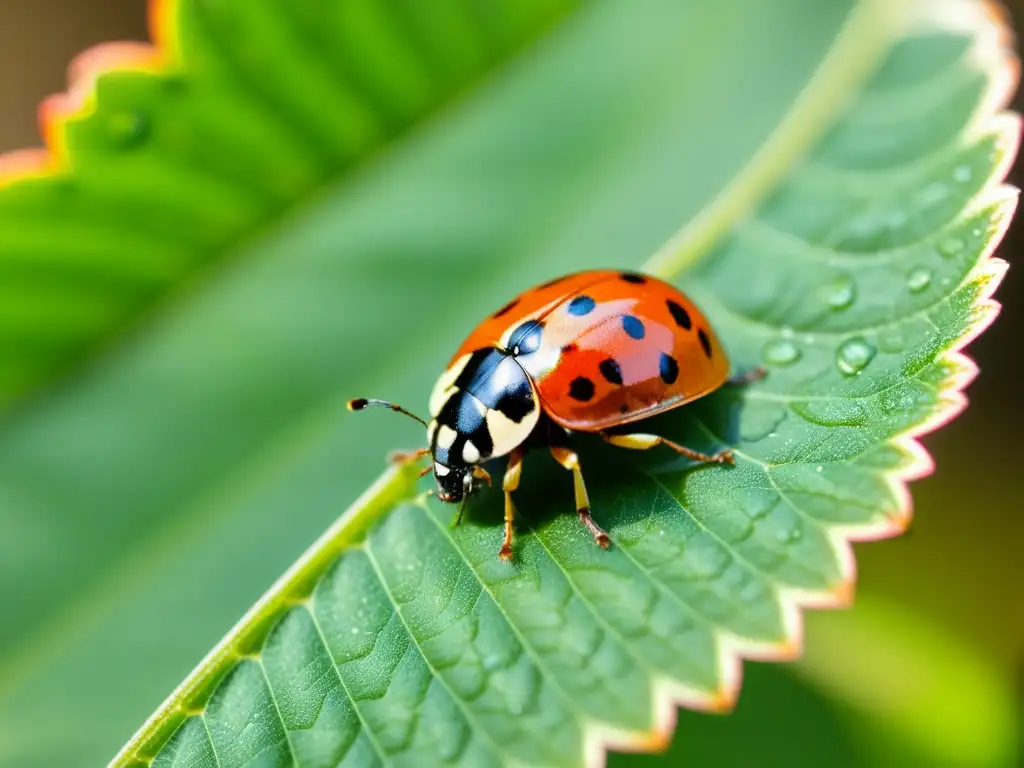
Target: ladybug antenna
(361, 402)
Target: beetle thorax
(483, 406)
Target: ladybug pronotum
(586, 352)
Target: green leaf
(152, 495)
(164, 158)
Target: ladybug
(587, 352)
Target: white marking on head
(445, 386)
(470, 453)
(440, 469)
(431, 431)
(446, 436)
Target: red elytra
(586, 352)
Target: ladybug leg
(482, 474)
(571, 461)
(405, 457)
(642, 442)
(747, 377)
(509, 484)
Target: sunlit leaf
(155, 493)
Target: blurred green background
(955, 580)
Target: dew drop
(781, 352)
(840, 293)
(962, 173)
(919, 279)
(951, 247)
(932, 195)
(128, 129)
(782, 536)
(759, 423)
(786, 536)
(448, 749)
(756, 503)
(832, 412)
(853, 356)
(890, 339)
(895, 220)
(751, 592)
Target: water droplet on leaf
(128, 129)
(841, 293)
(781, 352)
(919, 279)
(786, 536)
(761, 422)
(932, 195)
(853, 356)
(831, 413)
(951, 247)
(895, 220)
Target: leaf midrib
(30, 654)
(471, 718)
(688, 245)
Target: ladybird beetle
(586, 352)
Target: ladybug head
(453, 483)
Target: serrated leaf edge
(989, 24)
(985, 20)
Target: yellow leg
(571, 461)
(403, 457)
(509, 484)
(747, 377)
(482, 474)
(641, 442)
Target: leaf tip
(723, 702)
(24, 164)
(843, 592)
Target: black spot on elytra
(680, 315)
(633, 326)
(581, 389)
(569, 348)
(624, 408)
(632, 277)
(506, 309)
(581, 305)
(526, 338)
(611, 371)
(668, 369)
(705, 342)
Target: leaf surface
(202, 453)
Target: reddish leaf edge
(988, 273)
(161, 55)
(57, 111)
